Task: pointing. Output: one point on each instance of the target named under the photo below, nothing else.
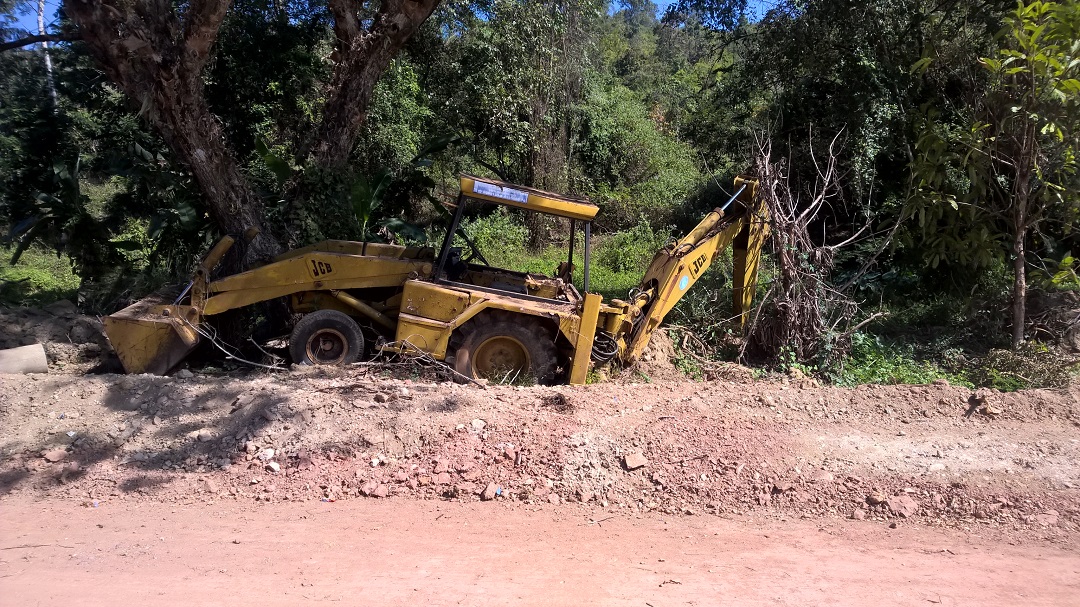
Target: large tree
(1006, 182)
(156, 51)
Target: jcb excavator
(486, 322)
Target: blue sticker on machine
(684, 282)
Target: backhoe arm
(678, 266)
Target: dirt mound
(657, 361)
(73, 342)
(939, 454)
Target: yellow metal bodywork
(678, 266)
(395, 288)
(431, 312)
(583, 345)
(511, 195)
(315, 270)
(152, 338)
(746, 252)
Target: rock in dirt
(442, 479)
(783, 487)
(903, 505)
(478, 425)
(62, 307)
(381, 491)
(489, 492)
(876, 497)
(184, 374)
(1050, 518)
(273, 467)
(205, 435)
(633, 461)
(554, 499)
(381, 397)
(858, 514)
(54, 455)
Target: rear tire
(326, 337)
(507, 352)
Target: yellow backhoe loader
(486, 322)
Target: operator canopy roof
(530, 199)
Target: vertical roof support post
(583, 345)
(588, 250)
(454, 223)
(570, 256)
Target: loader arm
(678, 266)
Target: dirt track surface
(346, 483)
(405, 552)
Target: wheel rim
(501, 358)
(327, 347)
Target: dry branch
(803, 318)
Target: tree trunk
(45, 51)
(1022, 196)
(363, 56)
(1019, 302)
(157, 59)
(195, 135)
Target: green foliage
(1030, 366)
(62, 220)
(267, 81)
(501, 237)
(633, 167)
(876, 361)
(397, 122)
(40, 278)
(1059, 274)
(630, 250)
(982, 179)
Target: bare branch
(36, 38)
(805, 317)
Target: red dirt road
(407, 552)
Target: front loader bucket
(151, 336)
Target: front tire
(326, 337)
(508, 352)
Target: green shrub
(500, 236)
(630, 250)
(40, 278)
(1033, 365)
(875, 361)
